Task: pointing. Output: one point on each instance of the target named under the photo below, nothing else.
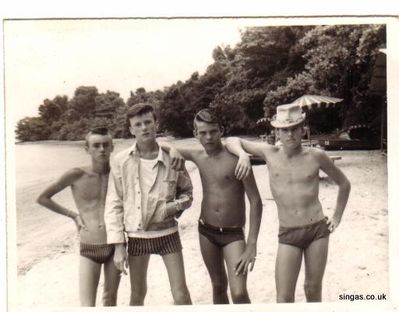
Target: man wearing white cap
(294, 182)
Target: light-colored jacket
(123, 205)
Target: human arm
(344, 187)
(243, 149)
(114, 217)
(184, 195)
(66, 180)
(177, 155)
(247, 259)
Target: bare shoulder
(199, 154)
(67, 179)
(318, 154)
(269, 149)
(226, 153)
(75, 173)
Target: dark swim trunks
(97, 253)
(220, 236)
(159, 245)
(303, 236)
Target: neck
(291, 152)
(147, 149)
(216, 151)
(101, 167)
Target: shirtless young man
(89, 189)
(294, 182)
(222, 216)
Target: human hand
(79, 223)
(243, 167)
(177, 160)
(120, 258)
(246, 260)
(171, 210)
(333, 223)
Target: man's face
(99, 147)
(209, 135)
(143, 127)
(291, 137)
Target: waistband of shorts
(227, 229)
(303, 226)
(103, 245)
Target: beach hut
(378, 86)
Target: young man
(89, 189)
(294, 182)
(144, 199)
(222, 216)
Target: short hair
(206, 115)
(140, 109)
(99, 131)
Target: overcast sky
(45, 58)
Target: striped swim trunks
(160, 245)
(97, 253)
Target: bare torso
(89, 191)
(223, 203)
(294, 182)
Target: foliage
(269, 67)
(32, 129)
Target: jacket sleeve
(184, 190)
(114, 213)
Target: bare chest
(91, 187)
(219, 171)
(297, 170)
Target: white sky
(45, 58)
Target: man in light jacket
(144, 199)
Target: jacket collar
(135, 152)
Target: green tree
(83, 102)
(32, 129)
(338, 62)
(52, 110)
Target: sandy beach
(357, 264)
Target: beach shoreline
(48, 250)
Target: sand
(357, 262)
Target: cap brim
(277, 124)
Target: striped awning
(310, 101)
(262, 120)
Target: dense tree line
(270, 66)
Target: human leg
(213, 258)
(111, 283)
(238, 283)
(288, 264)
(138, 266)
(177, 279)
(89, 276)
(315, 264)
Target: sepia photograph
(198, 161)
